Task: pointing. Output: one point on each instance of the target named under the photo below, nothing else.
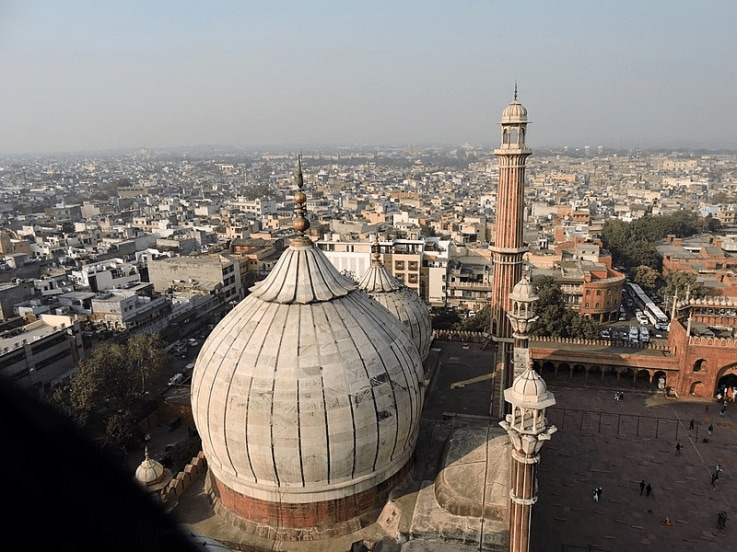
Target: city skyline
(87, 76)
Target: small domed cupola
(514, 124)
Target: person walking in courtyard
(648, 490)
(691, 424)
(714, 479)
(678, 449)
(642, 487)
(710, 429)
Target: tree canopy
(632, 244)
(554, 319)
(678, 283)
(111, 382)
(645, 277)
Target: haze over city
(85, 75)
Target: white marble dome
(515, 112)
(524, 291)
(308, 390)
(152, 475)
(529, 389)
(149, 471)
(401, 301)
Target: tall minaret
(526, 425)
(509, 246)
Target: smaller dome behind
(399, 300)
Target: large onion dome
(308, 390)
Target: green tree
(550, 307)
(97, 382)
(111, 381)
(446, 319)
(480, 322)
(554, 319)
(645, 277)
(427, 230)
(633, 243)
(120, 429)
(679, 283)
(723, 197)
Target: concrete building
(105, 275)
(12, 294)
(129, 308)
(40, 354)
(216, 273)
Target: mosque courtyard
(600, 442)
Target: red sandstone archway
(726, 377)
(698, 389)
(657, 376)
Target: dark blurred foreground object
(63, 493)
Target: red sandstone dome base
(308, 521)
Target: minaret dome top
(515, 112)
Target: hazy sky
(98, 74)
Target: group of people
(597, 494)
(619, 396)
(645, 488)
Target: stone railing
(703, 341)
(181, 482)
(483, 337)
(457, 335)
(599, 342)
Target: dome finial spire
(376, 251)
(515, 91)
(301, 224)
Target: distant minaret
(509, 246)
